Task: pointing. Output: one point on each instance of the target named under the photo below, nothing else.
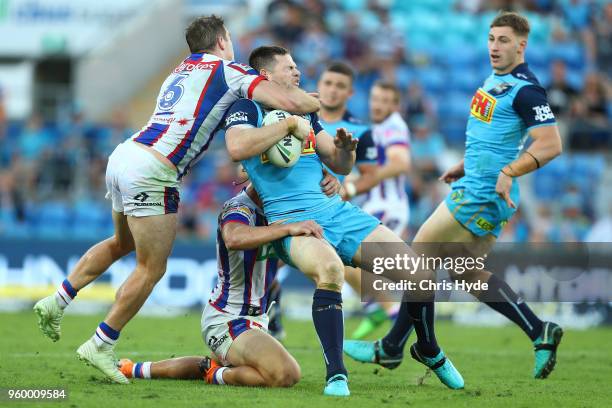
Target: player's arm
(367, 164)
(397, 162)
(337, 153)
(245, 82)
(532, 106)
(545, 147)
(243, 137)
(240, 236)
(330, 184)
(454, 173)
(291, 99)
(244, 141)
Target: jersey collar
(522, 68)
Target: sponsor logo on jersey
(501, 89)
(190, 66)
(483, 105)
(239, 116)
(311, 144)
(543, 113)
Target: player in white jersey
(388, 200)
(234, 321)
(143, 175)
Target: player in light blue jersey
(335, 87)
(293, 194)
(509, 105)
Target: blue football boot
(441, 366)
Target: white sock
(219, 375)
(64, 294)
(103, 339)
(142, 370)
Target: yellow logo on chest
(483, 105)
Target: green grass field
(495, 362)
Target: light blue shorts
(344, 227)
(480, 213)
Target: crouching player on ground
(234, 322)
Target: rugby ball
(287, 151)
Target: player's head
(384, 100)
(507, 41)
(335, 86)
(208, 34)
(276, 64)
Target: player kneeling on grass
(234, 322)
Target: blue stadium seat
(51, 219)
(454, 106)
(464, 80)
(538, 57)
(433, 79)
(575, 77)
(404, 76)
(354, 5)
(88, 219)
(570, 52)
(546, 185)
(454, 131)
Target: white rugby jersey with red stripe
(392, 131)
(191, 104)
(245, 276)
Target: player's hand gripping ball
(287, 151)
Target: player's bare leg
(416, 311)
(258, 359)
(319, 261)
(92, 264)
(180, 368)
(102, 255)
(153, 238)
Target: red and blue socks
(105, 336)
(65, 294)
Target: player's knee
(286, 375)
(121, 247)
(331, 275)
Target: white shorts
(219, 330)
(138, 184)
(393, 215)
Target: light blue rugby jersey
(366, 152)
(502, 112)
(283, 191)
